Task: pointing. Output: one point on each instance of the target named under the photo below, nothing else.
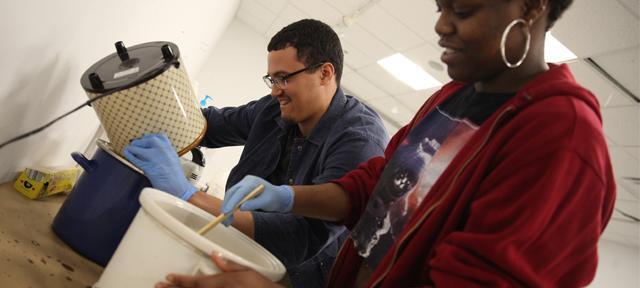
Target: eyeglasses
(281, 81)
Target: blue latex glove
(272, 199)
(154, 155)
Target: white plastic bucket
(162, 239)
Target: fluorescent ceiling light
(555, 52)
(408, 72)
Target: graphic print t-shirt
(416, 165)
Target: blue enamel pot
(97, 213)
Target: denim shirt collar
(322, 129)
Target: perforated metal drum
(145, 89)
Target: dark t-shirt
(280, 175)
(473, 105)
(416, 165)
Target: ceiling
(603, 34)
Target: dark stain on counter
(69, 268)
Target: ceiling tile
(622, 230)
(360, 87)
(626, 226)
(319, 10)
(274, 6)
(591, 28)
(389, 30)
(418, 15)
(347, 7)
(259, 12)
(365, 42)
(632, 6)
(630, 186)
(624, 165)
(629, 207)
(622, 125)
(288, 15)
(623, 194)
(353, 57)
(428, 57)
(347, 70)
(375, 74)
(624, 67)
(254, 22)
(608, 95)
(633, 151)
(392, 109)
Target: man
(502, 179)
(306, 132)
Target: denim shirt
(347, 134)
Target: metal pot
(98, 211)
(104, 201)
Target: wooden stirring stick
(223, 217)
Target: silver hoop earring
(503, 42)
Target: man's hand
(233, 275)
(272, 199)
(154, 155)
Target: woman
(501, 179)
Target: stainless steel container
(145, 89)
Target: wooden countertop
(31, 255)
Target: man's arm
(230, 126)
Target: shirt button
(299, 148)
(290, 181)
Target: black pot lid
(128, 67)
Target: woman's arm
(242, 220)
(325, 201)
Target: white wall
(232, 76)
(47, 45)
(618, 266)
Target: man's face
(301, 99)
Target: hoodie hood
(557, 81)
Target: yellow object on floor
(37, 183)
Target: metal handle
(87, 165)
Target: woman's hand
(232, 275)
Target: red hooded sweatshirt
(523, 203)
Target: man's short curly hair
(556, 8)
(315, 41)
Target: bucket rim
(149, 198)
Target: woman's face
(470, 31)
